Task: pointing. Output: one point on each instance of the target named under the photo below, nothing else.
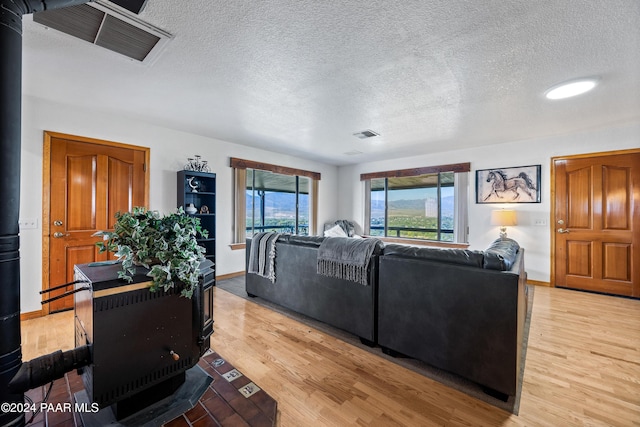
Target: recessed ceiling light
(571, 88)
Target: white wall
(170, 149)
(535, 239)
(169, 152)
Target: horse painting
(500, 185)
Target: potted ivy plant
(166, 245)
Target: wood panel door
(90, 180)
(597, 223)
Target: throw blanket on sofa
(345, 258)
(263, 254)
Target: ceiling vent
(107, 26)
(134, 6)
(365, 134)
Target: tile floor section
(232, 399)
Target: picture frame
(516, 184)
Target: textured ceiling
(300, 77)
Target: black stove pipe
(11, 12)
(50, 367)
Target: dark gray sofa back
(465, 319)
(451, 256)
(340, 303)
(313, 241)
(500, 255)
(316, 241)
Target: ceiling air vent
(365, 134)
(134, 6)
(107, 26)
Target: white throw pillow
(335, 231)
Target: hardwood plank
(582, 367)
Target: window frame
(460, 186)
(258, 213)
(240, 167)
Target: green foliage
(409, 224)
(166, 245)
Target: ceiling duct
(107, 26)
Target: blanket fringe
(271, 275)
(338, 270)
(262, 255)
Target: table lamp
(503, 218)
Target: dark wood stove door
(91, 180)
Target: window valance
(456, 167)
(250, 164)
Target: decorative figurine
(204, 209)
(191, 209)
(197, 165)
(193, 184)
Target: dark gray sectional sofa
(459, 310)
(340, 303)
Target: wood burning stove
(141, 342)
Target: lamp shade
(503, 217)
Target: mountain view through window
(276, 202)
(421, 207)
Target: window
(277, 202)
(273, 198)
(425, 203)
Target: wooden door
(90, 180)
(597, 223)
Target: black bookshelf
(199, 189)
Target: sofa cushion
(314, 241)
(347, 226)
(335, 231)
(452, 256)
(501, 254)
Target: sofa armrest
(501, 254)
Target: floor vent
(107, 26)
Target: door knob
(58, 234)
(563, 230)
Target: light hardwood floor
(582, 367)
